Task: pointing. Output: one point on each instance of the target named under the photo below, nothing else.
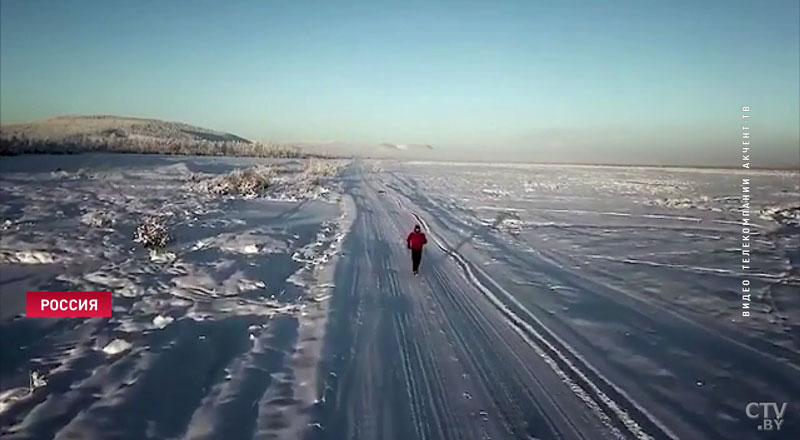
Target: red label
(68, 304)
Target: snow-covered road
(520, 331)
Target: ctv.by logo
(763, 410)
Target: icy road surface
(553, 302)
(561, 302)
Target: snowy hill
(70, 128)
(78, 134)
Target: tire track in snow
(508, 388)
(438, 337)
(684, 347)
(430, 360)
(401, 339)
(563, 359)
(485, 341)
(428, 402)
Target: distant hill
(77, 134)
(69, 128)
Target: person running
(416, 240)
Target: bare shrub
(250, 182)
(152, 232)
(313, 179)
(318, 169)
(322, 168)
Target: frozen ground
(214, 336)
(553, 302)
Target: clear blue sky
(656, 80)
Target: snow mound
(162, 256)
(495, 192)
(26, 257)
(98, 219)
(161, 321)
(9, 397)
(244, 249)
(117, 346)
(703, 202)
(783, 215)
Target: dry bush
(322, 168)
(249, 182)
(152, 232)
(318, 169)
(313, 179)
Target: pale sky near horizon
(618, 81)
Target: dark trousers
(416, 257)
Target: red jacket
(416, 240)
